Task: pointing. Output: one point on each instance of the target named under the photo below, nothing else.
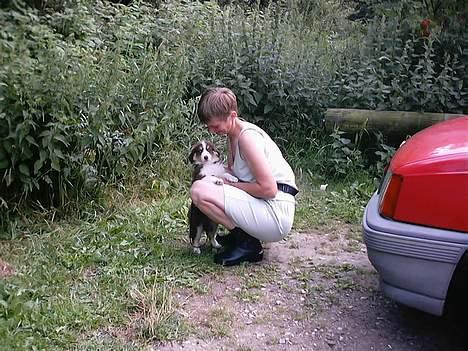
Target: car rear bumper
(415, 263)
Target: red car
(415, 226)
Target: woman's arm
(230, 156)
(252, 152)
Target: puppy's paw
(196, 250)
(230, 178)
(214, 180)
(215, 245)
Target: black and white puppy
(207, 166)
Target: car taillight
(389, 191)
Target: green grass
(342, 200)
(219, 322)
(77, 278)
(107, 281)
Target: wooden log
(399, 123)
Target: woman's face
(219, 125)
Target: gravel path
(315, 291)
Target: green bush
(85, 98)
(93, 92)
(274, 59)
(401, 69)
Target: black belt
(285, 188)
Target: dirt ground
(313, 291)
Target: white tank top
(281, 170)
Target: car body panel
(445, 140)
(415, 263)
(434, 167)
(418, 249)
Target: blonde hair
(216, 102)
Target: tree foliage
(91, 90)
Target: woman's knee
(204, 191)
(196, 191)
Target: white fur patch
(212, 169)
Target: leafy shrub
(344, 156)
(401, 69)
(384, 154)
(93, 92)
(84, 99)
(272, 59)
(336, 155)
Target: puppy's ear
(196, 149)
(216, 152)
(213, 148)
(191, 154)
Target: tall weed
(274, 60)
(399, 68)
(94, 92)
(85, 99)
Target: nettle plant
(272, 65)
(402, 68)
(344, 155)
(86, 97)
(383, 154)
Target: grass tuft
(155, 317)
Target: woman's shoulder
(251, 135)
(251, 129)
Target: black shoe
(226, 240)
(245, 249)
